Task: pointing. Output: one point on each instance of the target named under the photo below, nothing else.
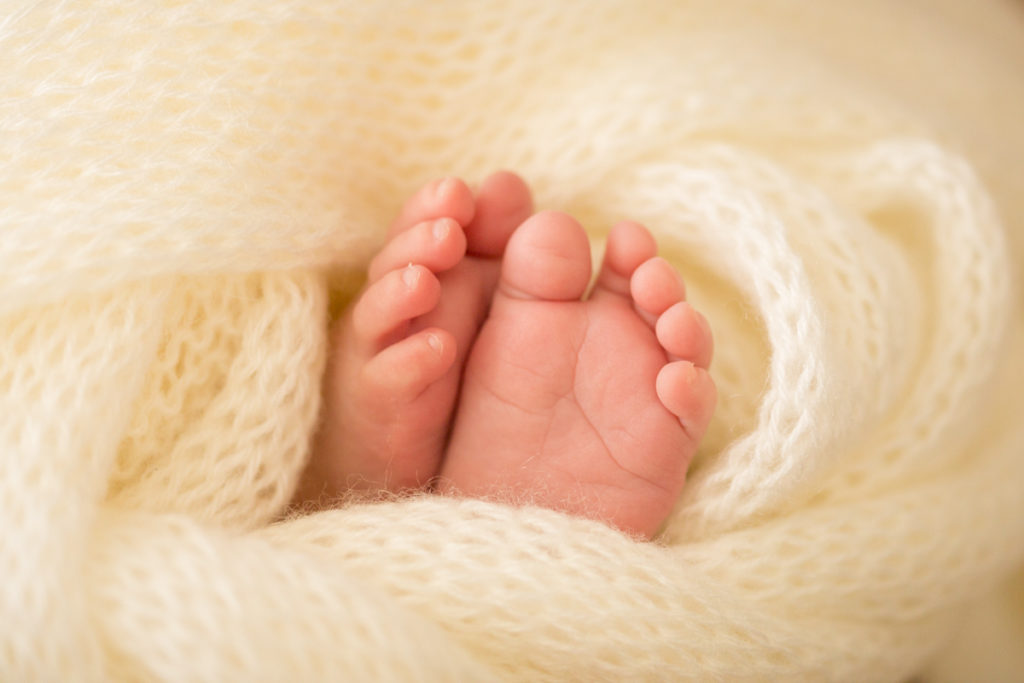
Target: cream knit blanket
(184, 183)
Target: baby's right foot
(590, 406)
(397, 355)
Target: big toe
(503, 203)
(547, 257)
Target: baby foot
(591, 407)
(397, 355)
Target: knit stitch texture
(185, 185)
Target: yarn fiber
(185, 187)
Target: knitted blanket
(187, 187)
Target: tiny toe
(629, 245)
(502, 204)
(404, 369)
(689, 393)
(446, 197)
(398, 297)
(548, 257)
(437, 245)
(684, 333)
(655, 286)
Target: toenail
(435, 342)
(411, 275)
(441, 229)
(445, 187)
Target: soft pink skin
(591, 407)
(397, 355)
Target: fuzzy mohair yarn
(184, 185)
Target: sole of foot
(593, 407)
(397, 355)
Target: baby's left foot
(394, 369)
(593, 407)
